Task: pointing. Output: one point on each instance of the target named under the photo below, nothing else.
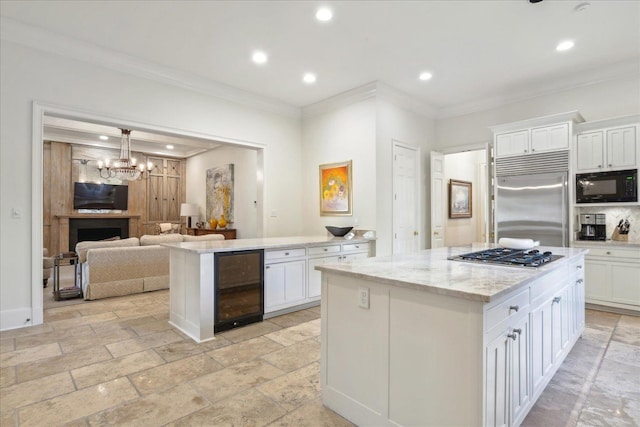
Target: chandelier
(125, 168)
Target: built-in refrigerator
(533, 206)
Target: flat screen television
(89, 195)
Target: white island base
(414, 354)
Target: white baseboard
(13, 319)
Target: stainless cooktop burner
(506, 256)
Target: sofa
(128, 266)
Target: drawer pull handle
(512, 336)
(579, 267)
(286, 253)
(557, 299)
(579, 281)
(268, 267)
(518, 331)
(608, 253)
(514, 308)
(325, 249)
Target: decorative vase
(213, 223)
(222, 223)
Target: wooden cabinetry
(611, 276)
(164, 189)
(607, 144)
(228, 233)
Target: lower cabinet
(284, 284)
(314, 284)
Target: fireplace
(83, 229)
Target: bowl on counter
(338, 231)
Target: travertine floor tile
(152, 327)
(32, 354)
(295, 356)
(605, 409)
(84, 320)
(52, 337)
(180, 349)
(7, 376)
(23, 394)
(244, 351)
(296, 333)
(250, 331)
(234, 379)
(624, 353)
(7, 345)
(114, 368)
(601, 320)
(312, 414)
(294, 389)
(78, 404)
(23, 332)
(153, 410)
(171, 374)
(73, 344)
(627, 332)
(295, 318)
(134, 345)
(250, 409)
(65, 362)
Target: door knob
(415, 233)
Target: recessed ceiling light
(309, 78)
(169, 147)
(104, 137)
(324, 14)
(565, 45)
(259, 57)
(425, 75)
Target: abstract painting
(220, 192)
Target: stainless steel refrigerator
(533, 206)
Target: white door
(405, 198)
(438, 200)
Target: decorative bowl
(338, 231)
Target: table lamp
(189, 210)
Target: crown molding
(406, 101)
(628, 69)
(39, 39)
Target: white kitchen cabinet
(611, 277)
(606, 149)
(550, 138)
(284, 284)
(314, 282)
(512, 143)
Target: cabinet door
(621, 147)
(559, 323)
(314, 277)
(514, 143)
(284, 284)
(541, 357)
(598, 278)
(497, 381)
(590, 151)
(579, 301)
(550, 138)
(520, 379)
(155, 193)
(625, 283)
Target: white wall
(28, 75)
(463, 167)
(400, 124)
(347, 133)
(245, 189)
(595, 102)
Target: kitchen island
(290, 281)
(419, 339)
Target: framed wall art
(460, 199)
(336, 196)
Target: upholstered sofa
(128, 266)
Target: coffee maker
(593, 227)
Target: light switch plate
(363, 298)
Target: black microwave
(607, 187)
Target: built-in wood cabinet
(164, 190)
(228, 233)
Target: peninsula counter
(418, 339)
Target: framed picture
(459, 199)
(335, 189)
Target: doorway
(406, 194)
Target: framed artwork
(460, 199)
(219, 190)
(336, 196)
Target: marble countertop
(430, 270)
(606, 244)
(260, 243)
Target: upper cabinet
(606, 146)
(551, 133)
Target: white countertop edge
(212, 246)
(516, 278)
(605, 244)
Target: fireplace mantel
(61, 223)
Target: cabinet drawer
(613, 254)
(324, 250)
(284, 254)
(355, 247)
(509, 307)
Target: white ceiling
(477, 50)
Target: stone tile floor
(118, 362)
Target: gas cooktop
(505, 256)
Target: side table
(75, 291)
